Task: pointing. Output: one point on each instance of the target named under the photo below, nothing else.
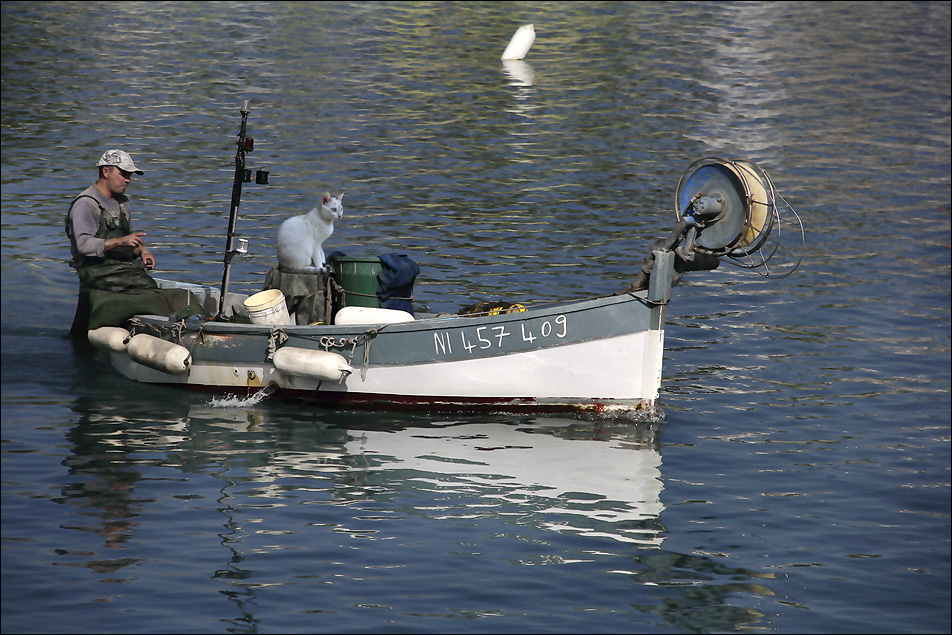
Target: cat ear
(341, 197)
(326, 197)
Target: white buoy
(303, 362)
(520, 43)
(109, 338)
(159, 354)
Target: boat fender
(159, 354)
(371, 315)
(302, 362)
(110, 338)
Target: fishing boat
(353, 349)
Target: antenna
(242, 175)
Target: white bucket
(268, 307)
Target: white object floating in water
(520, 43)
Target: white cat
(301, 238)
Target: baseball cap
(120, 159)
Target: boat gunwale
(429, 322)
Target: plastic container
(208, 296)
(268, 307)
(358, 278)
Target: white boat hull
(603, 356)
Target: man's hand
(133, 240)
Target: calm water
(799, 479)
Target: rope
(343, 293)
(368, 336)
(277, 336)
(176, 331)
(135, 323)
(365, 338)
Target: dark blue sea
(797, 476)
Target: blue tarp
(396, 282)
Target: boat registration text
(486, 337)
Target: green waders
(118, 270)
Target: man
(106, 253)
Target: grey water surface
(797, 479)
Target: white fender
(159, 354)
(370, 315)
(303, 362)
(109, 338)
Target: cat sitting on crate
(301, 238)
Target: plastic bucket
(268, 307)
(358, 278)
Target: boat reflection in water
(297, 500)
(565, 475)
(605, 487)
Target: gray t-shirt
(84, 221)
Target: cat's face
(332, 207)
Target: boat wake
(240, 402)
